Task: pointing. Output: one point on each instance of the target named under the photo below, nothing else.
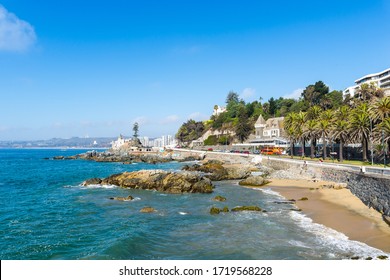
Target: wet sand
(338, 209)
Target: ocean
(46, 214)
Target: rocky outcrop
(128, 198)
(148, 209)
(246, 208)
(255, 181)
(92, 181)
(216, 171)
(219, 198)
(216, 210)
(159, 180)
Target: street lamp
(384, 148)
(372, 153)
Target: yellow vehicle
(271, 151)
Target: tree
(367, 92)
(272, 106)
(380, 109)
(313, 94)
(310, 131)
(298, 122)
(232, 97)
(243, 127)
(341, 127)
(189, 131)
(360, 125)
(289, 127)
(135, 130)
(324, 127)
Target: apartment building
(381, 80)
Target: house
(270, 132)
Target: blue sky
(78, 68)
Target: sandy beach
(338, 209)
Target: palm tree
(310, 129)
(324, 128)
(380, 109)
(360, 124)
(341, 126)
(340, 132)
(290, 130)
(299, 122)
(369, 91)
(310, 132)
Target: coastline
(338, 209)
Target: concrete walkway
(366, 169)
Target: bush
(210, 141)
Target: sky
(93, 68)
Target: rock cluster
(159, 180)
(255, 181)
(216, 171)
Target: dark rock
(58, 157)
(246, 208)
(225, 209)
(129, 198)
(148, 209)
(285, 202)
(303, 199)
(160, 180)
(382, 257)
(219, 198)
(215, 210)
(93, 181)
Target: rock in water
(254, 181)
(215, 210)
(246, 208)
(147, 210)
(93, 181)
(159, 180)
(219, 198)
(129, 198)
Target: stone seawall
(372, 190)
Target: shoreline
(338, 209)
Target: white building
(270, 132)
(218, 110)
(381, 80)
(118, 143)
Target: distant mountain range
(74, 142)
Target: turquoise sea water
(46, 214)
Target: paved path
(366, 169)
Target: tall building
(381, 80)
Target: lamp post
(384, 148)
(372, 153)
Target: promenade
(366, 169)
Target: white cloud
(296, 94)
(248, 94)
(15, 34)
(170, 119)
